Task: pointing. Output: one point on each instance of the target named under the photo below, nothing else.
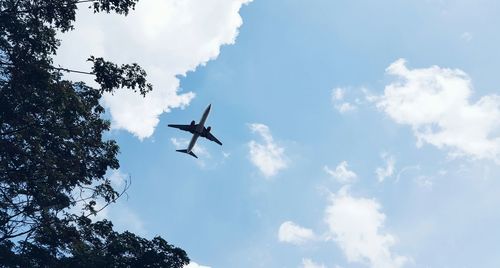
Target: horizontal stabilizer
(185, 151)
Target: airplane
(198, 130)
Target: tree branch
(72, 71)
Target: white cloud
(123, 217)
(388, 170)
(338, 95)
(199, 150)
(292, 233)
(268, 157)
(341, 173)
(406, 169)
(345, 107)
(357, 227)
(436, 103)
(308, 263)
(182, 143)
(118, 179)
(195, 265)
(425, 182)
(166, 37)
(369, 96)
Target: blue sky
(310, 99)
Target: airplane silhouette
(198, 130)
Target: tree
(97, 245)
(53, 155)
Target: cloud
(199, 150)
(345, 107)
(338, 94)
(388, 170)
(337, 99)
(357, 227)
(182, 143)
(167, 38)
(268, 157)
(466, 36)
(308, 263)
(425, 182)
(292, 233)
(406, 169)
(341, 173)
(123, 217)
(436, 103)
(195, 265)
(118, 179)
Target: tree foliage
(53, 155)
(94, 245)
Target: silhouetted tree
(93, 245)
(52, 152)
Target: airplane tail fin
(185, 151)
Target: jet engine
(192, 123)
(208, 129)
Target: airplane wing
(209, 136)
(188, 128)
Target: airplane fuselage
(199, 129)
(192, 142)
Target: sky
(356, 133)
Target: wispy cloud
(199, 150)
(292, 233)
(118, 179)
(345, 107)
(182, 143)
(308, 263)
(226, 155)
(406, 169)
(123, 217)
(338, 94)
(341, 173)
(268, 157)
(425, 182)
(338, 101)
(388, 170)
